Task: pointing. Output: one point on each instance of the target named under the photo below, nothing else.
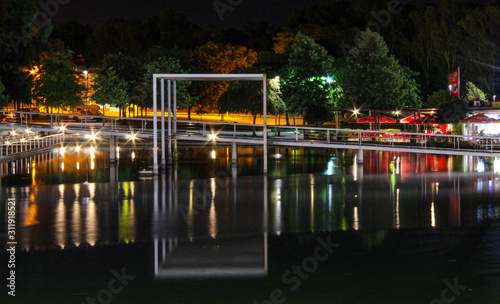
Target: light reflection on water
(390, 191)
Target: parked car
(90, 110)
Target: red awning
(423, 120)
(480, 118)
(381, 119)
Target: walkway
(286, 136)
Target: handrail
(34, 143)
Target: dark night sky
(95, 12)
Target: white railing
(346, 136)
(20, 145)
(285, 133)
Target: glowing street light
(85, 72)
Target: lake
(319, 228)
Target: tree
(129, 70)
(473, 92)
(164, 65)
(110, 89)
(176, 31)
(73, 35)
(23, 37)
(452, 112)
(4, 99)
(246, 97)
(479, 46)
(305, 84)
(223, 59)
(375, 79)
(438, 98)
(242, 97)
(58, 84)
(129, 37)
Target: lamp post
(276, 84)
(85, 72)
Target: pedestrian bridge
(331, 138)
(210, 132)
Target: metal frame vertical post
(162, 123)
(175, 118)
(169, 92)
(155, 129)
(264, 97)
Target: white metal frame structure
(171, 128)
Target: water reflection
(195, 223)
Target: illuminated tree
(58, 84)
(473, 92)
(216, 58)
(144, 95)
(246, 97)
(305, 84)
(110, 89)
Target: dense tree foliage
(109, 89)
(3, 98)
(22, 40)
(58, 84)
(452, 112)
(375, 79)
(473, 93)
(419, 43)
(305, 80)
(438, 98)
(164, 65)
(223, 59)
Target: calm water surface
(209, 231)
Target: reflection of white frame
(203, 258)
(254, 261)
(192, 77)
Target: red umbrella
(479, 118)
(409, 118)
(381, 119)
(423, 120)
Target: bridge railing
(76, 120)
(346, 136)
(25, 144)
(286, 133)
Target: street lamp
(276, 81)
(85, 72)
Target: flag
(454, 83)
